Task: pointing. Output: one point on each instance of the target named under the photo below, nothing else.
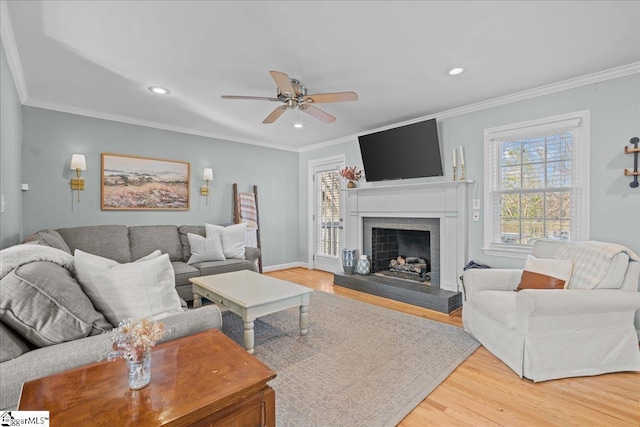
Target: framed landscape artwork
(143, 183)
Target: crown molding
(585, 80)
(147, 123)
(9, 43)
(610, 74)
(588, 79)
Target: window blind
(328, 215)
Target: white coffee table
(251, 295)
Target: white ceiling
(98, 58)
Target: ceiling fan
(294, 95)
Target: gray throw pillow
(43, 303)
(12, 346)
(49, 238)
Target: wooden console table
(203, 379)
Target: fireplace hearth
(407, 291)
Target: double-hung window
(536, 183)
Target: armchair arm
(574, 309)
(480, 279)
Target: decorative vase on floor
(140, 371)
(348, 260)
(364, 265)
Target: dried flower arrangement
(134, 337)
(351, 173)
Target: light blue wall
(10, 156)
(50, 138)
(615, 118)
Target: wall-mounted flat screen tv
(411, 151)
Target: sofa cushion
(217, 267)
(184, 231)
(144, 239)
(108, 241)
(498, 305)
(205, 248)
(44, 304)
(183, 272)
(137, 289)
(49, 238)
(545, 273)
(11, 344)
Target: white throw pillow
(233, 238)
(145, 288)
(152, 255)
(205, 248)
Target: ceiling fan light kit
(293, 94)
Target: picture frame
(144, 183)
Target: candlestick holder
(462, 170)
(454, 173)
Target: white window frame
(580, 162)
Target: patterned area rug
(360, 365)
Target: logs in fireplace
(412, 268)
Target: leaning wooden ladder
(245, 209)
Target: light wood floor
(483, 391)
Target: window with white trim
(536, 183)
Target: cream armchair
(549, 334)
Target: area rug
(360, 364)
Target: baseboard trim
(270, 268)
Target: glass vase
(140, 371)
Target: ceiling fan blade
(318, 113)
(275, 114)
(331, 97)
(283, 82)
(260, 98)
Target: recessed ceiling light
(159, 90)
(454, 71)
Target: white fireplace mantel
(446, 200)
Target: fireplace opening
(404, 254)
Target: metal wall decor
(635, 151)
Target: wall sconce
(78, 163)
(207, 176)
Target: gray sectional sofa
(126, 244)
(47, 323)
